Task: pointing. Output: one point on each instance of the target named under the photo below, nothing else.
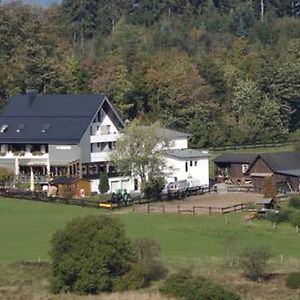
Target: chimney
(32, 94)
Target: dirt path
(201, 202)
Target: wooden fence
(41, 197)
(243, 189)
(253, 146)
(185, 209)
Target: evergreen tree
(103, 183)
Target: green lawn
(26, 229)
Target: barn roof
(282, 161)
(236, 158)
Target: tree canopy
(225, 71)
(139, 151)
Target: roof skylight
(20, 128)
(4, 128)
(46, 128)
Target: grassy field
(26, 229)
(205, 243)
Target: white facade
(195, 170)
(103, 135)
(92, 154)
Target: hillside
(226, 71)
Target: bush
(278, 217)
(293, 280)
(186, 286)
(294, 202)
(294, 218)
(153, 187)
(254, 261)
(148, 253)
(90, 255)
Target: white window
(245, 168)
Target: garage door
(115, 185)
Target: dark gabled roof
(294, 172)
(65, 118)
(246, 158)
(280, 161)
(34, 105)
(187, 153)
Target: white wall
(177, 168)
(179, 143)
(106, 121)
(115, 184)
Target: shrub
(90, 255)
(103, 183)
(254, 261)
(293, 280)
(294, 202)
(153, 187)
(278, 217)
(5, 176)
(294, 218)
(148, 253)
(186, 286)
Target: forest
(225, 71)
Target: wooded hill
(226, 71)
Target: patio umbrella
(31, 179)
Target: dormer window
(46, 128)
(20, 128)
(4, 128)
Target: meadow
(205, 243)
(26, 229)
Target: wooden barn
(232, 167)
(72, 187)
(283, 167)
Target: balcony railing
(24, 178)
(25, 154)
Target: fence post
(234, 208)
(178, 207)
(163, 209)
(194, 210)
(133, 208)
(209, 210)
(148, 208)
(222, 210)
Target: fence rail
(253, 146)
(185, 209)
(42, 197)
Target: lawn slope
(26, 229)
